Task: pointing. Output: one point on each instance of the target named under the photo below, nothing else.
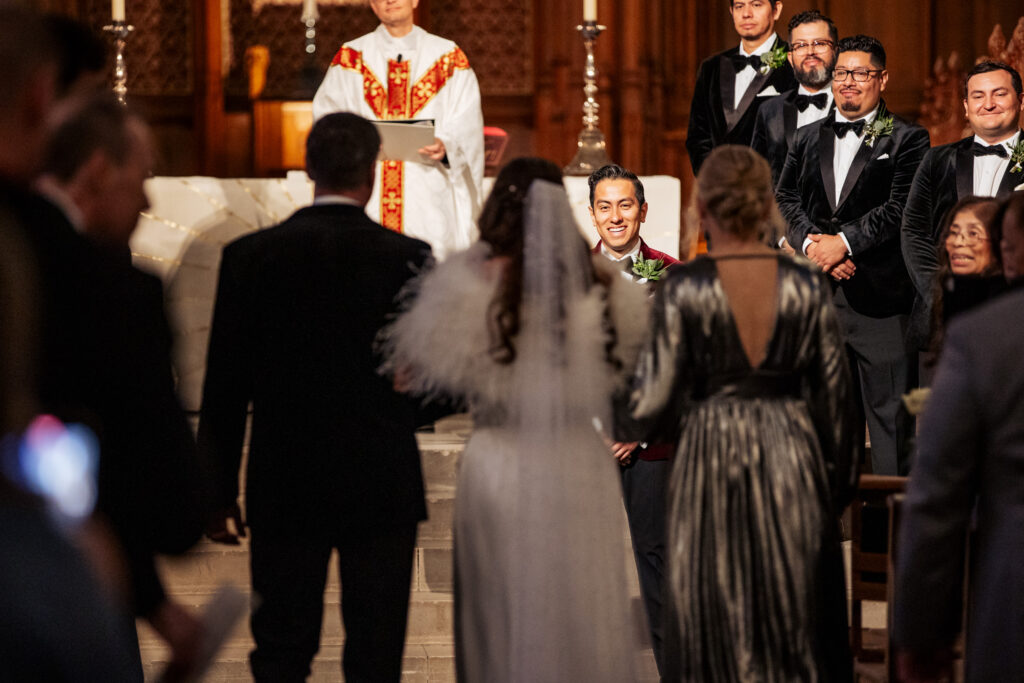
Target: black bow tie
(804, 101)
(842, 128)
(980, 150)
(742, 61)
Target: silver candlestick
(120, 29)
(590, 146)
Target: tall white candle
(309, 10)
(117, 10)
(589, 10)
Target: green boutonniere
(1017, 156)
(773, 59)
(650, 269)
(880, 127)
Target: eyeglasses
(816, 47)
(860, 75)
(971, 237)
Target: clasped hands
(829, 253)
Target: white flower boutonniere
(880, 127)
(1017, 156)
(773, 59)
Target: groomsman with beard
(979, 165)
(842, 191)
(812, 54)
(732, 85)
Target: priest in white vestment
(400, 71)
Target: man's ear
(93, 176)
(593, 218)
(643, 212)
(883, 79)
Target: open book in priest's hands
(401, 140)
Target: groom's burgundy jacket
(655, 451)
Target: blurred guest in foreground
(968, 476)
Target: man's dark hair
(100, 123)
(615, 172)
(862, 43)
(341, 151)
(813, 16)
(80, 49)
(988, 66)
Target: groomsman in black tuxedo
(732, 85)
(978, 165)
(842, 190)
(812, 54)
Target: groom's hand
(623, 452)
(219, 531)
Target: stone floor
(429, 654)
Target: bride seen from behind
(522, 327)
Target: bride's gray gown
(765, 464)
(540, 540)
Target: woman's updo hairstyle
(735, 185)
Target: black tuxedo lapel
(860, 161)
(1010, 179)
(748, 99)
(826, 155)
(789, 118)
(964, 162)
(727, 86)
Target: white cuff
(849, 252)
(807, 243)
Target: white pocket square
(884, 156)
(768, 92)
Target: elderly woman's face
(1012, 245)
(967, 246)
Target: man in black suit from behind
(842, 191)
(812, 54)
(978, 165)
(732, 85)
(333, 461)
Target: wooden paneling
(531, 74)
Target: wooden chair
(869, 556)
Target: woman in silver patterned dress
(745, 362)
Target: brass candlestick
(590, 147)
(120, 29)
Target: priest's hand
(435, 152)
(826, 250)
(218, 529)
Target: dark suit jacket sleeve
(940, 497)
(916, 233)
(788, 191)
(882, 223)
(699, 142)
(226, 390)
